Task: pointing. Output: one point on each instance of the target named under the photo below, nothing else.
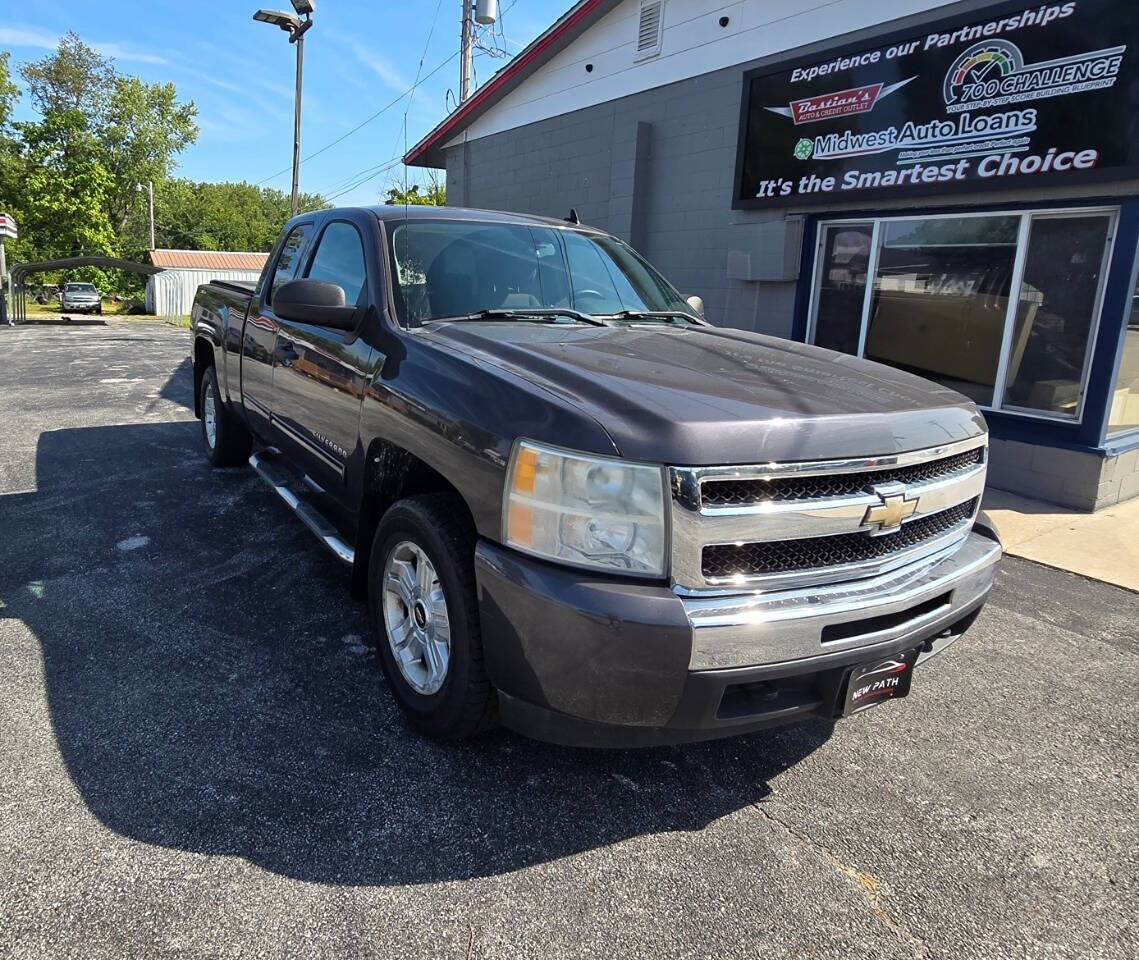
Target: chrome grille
(784, 525)
(737, 492)
(726, 561)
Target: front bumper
(608, 662)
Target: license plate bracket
(876, 681)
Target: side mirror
(696, 303)
(314, 301)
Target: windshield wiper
(546, 314)
(669, 316)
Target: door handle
(287, 353)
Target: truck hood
(710, 395)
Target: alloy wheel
(415, 618)
(209, 416)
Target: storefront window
(842, 285)
(1055, 313)
(940, 299)
(1124, 412)
(961, 299)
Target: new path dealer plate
(880, 680)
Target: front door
(259, 334)
(320, 373)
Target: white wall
(171, 292)
(694, 43)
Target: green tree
(70, 176)
(75, 77)
(9, 92)
(143, 130)
(63, 202)
(223, 216)
(434, 193)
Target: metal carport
(18, 308)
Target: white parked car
(80, 298)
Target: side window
(339, 259)
(290, 258)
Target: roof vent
(650, 29)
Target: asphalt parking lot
(198, 756)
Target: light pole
(296, 29)
(149, 206)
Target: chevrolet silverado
(573, 505)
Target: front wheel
(226, 440)
(421, 592)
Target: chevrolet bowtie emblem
(887, 515)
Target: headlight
(588, 511)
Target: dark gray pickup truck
(575, 507)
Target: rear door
(321, 373)
(259, 333)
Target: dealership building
(949, 188)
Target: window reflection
(1124, 412)
(939, 305)
(940, 299)
(842, 286)
(1055, 312)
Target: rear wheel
(226, 440)
(421, 592)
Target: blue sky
(359, 57)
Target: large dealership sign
(1026, 95)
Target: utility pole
(150, 209)
(149, 206)
(466, 53)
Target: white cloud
(43, 40)
(118, 52)
(18, 37)
(389, 74)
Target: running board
(262, 462)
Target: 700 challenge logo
(993, 73)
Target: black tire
(231, 443)
(440, 526)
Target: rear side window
(339, 259)
(287, 263)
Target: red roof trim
(493, 87)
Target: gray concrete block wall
(668, 191)
(1083, 480)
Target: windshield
(455, 268)
(80, 288)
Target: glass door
(840, 285)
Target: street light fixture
(296, 28)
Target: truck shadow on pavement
(212, 689)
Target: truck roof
(419, 212)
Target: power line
(362, 123)
(360, 177)
(411, 92)
(366, 175)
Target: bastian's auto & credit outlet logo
(842, 103)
